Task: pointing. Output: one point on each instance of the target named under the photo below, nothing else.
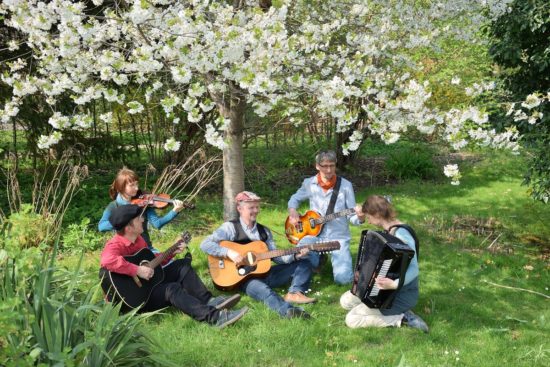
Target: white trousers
(360, 315)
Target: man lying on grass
(181, 286)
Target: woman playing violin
(123, 190)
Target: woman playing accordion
(380, 213)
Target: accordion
(380, 255)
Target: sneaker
(222, 302)
(297, 312)
(228, 317)
(298, 297)
(411, 319)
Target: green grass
(472, 322)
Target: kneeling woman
(380, 213)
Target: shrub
(26, 229)
(414, 162)
(80, 237)
(46, 319)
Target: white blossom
(106, 117)
(213, 137)
(11, 109)
(171, 145)
(531, 101)
(135, 107)
(194, 115)
(451, 170)
(46, 141)
(13, 45)
(353, 144)
(58, 121)
(169, 103)
(284, 61)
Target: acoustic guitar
(311, 224)
(134, 292)
(256, 261)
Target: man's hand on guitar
(180, 248)
(359, 212)
(303, 252)
(293, 216)
(387, 283)
(145, 272)
(234, 256)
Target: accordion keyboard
(381, 274)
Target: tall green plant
(48, 319)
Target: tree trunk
(15, 145)
(233, 162)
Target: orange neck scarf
(326, 185)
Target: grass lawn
(475, 238)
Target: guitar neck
(326, 246)
(166, 254)
(332, 216)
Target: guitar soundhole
(248, 264)
(246, 269)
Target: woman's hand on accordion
(387, 283)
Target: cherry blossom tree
(348, 61)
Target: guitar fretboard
(185, 238)
(328, 218)
(325, 246)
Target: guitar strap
(334, 196)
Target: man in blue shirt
(319, 190)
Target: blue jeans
(298, 272)
(341, 259)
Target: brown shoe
(298, 297)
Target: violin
(158, 201)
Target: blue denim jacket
(319, 200)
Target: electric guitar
(134, 292)
(311, 224)
(256, 261)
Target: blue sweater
(150, 214)
(407, 297)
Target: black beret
(123, 214)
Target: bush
(45, 319)
(26, 229)
(79, 237)
(414, 162)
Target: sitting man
(181, 287)
(290, 267)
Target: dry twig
(517, 289)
